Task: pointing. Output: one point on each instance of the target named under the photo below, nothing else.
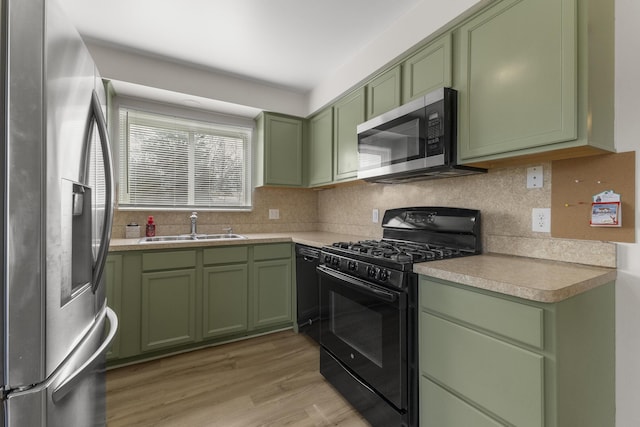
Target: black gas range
(410, 235)
(369, 307)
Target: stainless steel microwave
(414, 141)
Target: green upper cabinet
(348, 113)
(278, 155)
(383, 93)
(527, 75)
(320, 148)
(427, 69)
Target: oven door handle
(361, 285)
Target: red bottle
(151, 227)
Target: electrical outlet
(541, 220)
(375, 215)
(534, 177)
(274, 213)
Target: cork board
(576, 181)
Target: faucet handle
(228, 230)
(194, 215)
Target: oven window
(396, 144)
(358, 326)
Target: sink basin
(189, 237)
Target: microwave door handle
(101, 258)
(360, 285)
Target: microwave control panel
(435, 144)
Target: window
(174, 163)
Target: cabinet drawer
(168, 260)
(225, 255)
(505, 379)
(275, 251)
(439, 408)
(520, 322)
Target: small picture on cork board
(575, 182)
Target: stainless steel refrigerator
(56, 212)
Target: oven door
(364, 326)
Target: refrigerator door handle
(69, 384)
(101, 257)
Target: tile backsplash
(298, 211)
(501, 195)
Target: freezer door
(74, 396)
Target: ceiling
(293, 44)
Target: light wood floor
(271, 380)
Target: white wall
(181, 78)
(628, 282)
(417, 24)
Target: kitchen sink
(190, 237)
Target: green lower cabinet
(488, 359)
(439, 408)
(168, 309)
(180, 299)
(225, 300)
(514, 376)
(271, 290)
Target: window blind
(171, 162)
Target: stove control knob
(335, 261)
(327, 259)
(353, 266)
(384, 275)
(371, 271)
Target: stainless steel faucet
(194, 221)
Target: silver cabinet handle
(101, 258)
(72, 380)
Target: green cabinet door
(384, 93)
(271, 293)
(113, 282)
(225, 300)
(320, 148)
(427, 69)
(490, 359)
(440, 408)
(279, 150)
(514, 376)
(168, 309)
(517, 77)
(348, 113)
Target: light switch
(534, 177)
(274, 213)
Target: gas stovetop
(402, 252)
(410, 235)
